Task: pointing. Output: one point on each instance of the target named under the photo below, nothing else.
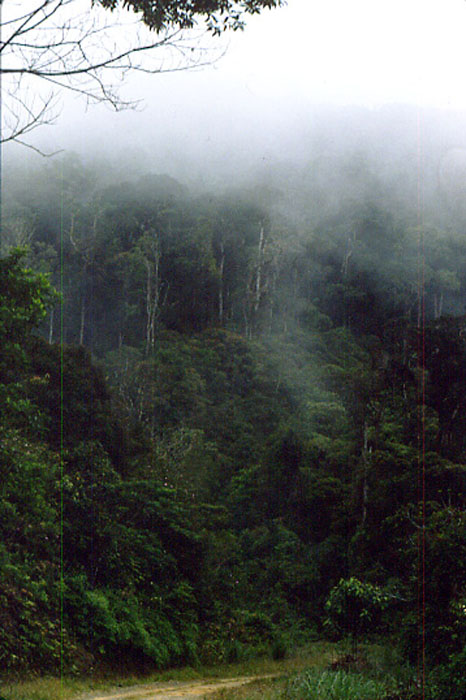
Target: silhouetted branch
(83, 53)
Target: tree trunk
(259, 270)
(51, 327)
(220, 287)
(153, 291)
(365, 483)
(149, 309)
(83, 319)
(247, 327)
(346, 264)
(438, 305)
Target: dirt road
(176, 690)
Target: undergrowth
(375, 673)
(320, 671)
(334, 685)
(49, 688)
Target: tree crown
(219, 15)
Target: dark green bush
(448, 681)
(279, 647)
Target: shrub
(279, 647)
(334, 685)
(354, 607)
(448, 681)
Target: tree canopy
(218, 15)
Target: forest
(234, 417)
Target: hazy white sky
(339, 52)
(348, 51)
(356, 51)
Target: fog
(311, 107)
(299, 81)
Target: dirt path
(176, 690)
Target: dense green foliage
(355, 608)
(235, 419)
(218, 15)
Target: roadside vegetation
(374, 673)
(318, 671)
(318, 655)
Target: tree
(219, 15)
(354, 607)
(24, 298)
(66, 44)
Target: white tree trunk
(220, 287)
(51, 327)
(259, 270)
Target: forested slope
(229, 411)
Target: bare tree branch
(42, 153)
(66, 45)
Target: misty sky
(287, 61)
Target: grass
(42, 689)
(315, 655)
(319, 671)
(376, 673)
(335, 685)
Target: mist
(300, 81)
